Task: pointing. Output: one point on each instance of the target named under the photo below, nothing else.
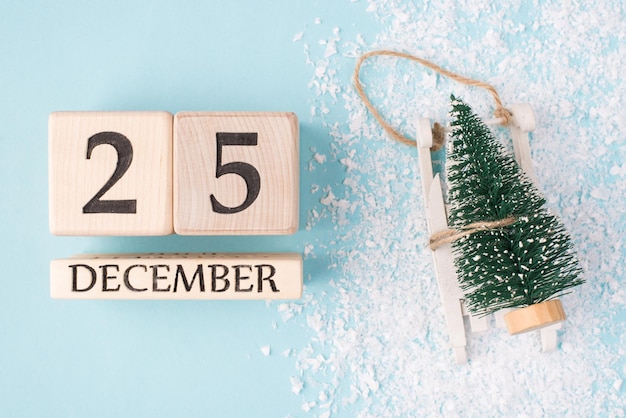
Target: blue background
(159, 358)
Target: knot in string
(439, 137)
(504, 115)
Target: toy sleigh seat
(452, 299)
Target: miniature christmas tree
(515, 253)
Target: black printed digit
(124, 150)
(244, 170)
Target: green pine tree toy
(512, 252)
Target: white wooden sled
(436, 215)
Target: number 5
(244, 170)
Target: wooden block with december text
(236, 173)
(177, 276)
(110, 173)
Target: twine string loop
(446, 236)
(438, 135)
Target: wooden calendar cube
(110, 173)
(236, 173)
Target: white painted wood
(549, 337)
(443, 260)
(460, 355)
(444, 268)
(75, 179)
(499, 317)
(424, 135)
(479, 324)
(523, 116)
(523, 122)
(424, 140)
(488, 122)
(274, 157)
(177, 276)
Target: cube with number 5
(235, 173)
(110, 173)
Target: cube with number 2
(236, 173)
(110, 173)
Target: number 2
(124, 150)
(244, 170)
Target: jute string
(438, 132)
(449, 235)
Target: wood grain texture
(534, 317)
(74, 179)
(275, 157)
(177, 276)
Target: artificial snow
(379, 344)
(296, 385)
